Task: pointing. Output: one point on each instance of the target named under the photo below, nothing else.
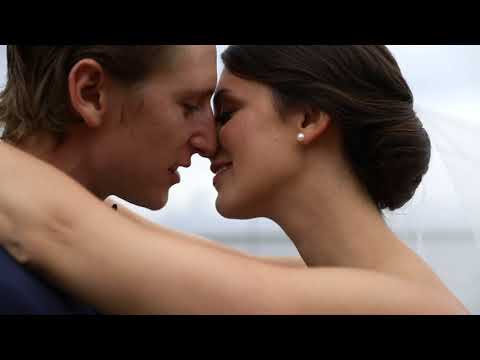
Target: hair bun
(398, 164)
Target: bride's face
(258, 153)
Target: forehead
(194, 68)
(229, 81)
(230, 84)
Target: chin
(152, 202)
(158, 203)
(230, 210)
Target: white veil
(442, 222)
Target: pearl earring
(301, 137)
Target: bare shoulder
(355, 291)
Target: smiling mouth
(220, 165)
(221, 171)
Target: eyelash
(190, 109)
(224, 117)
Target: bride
(319, 139)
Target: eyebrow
(200, 93)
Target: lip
(174, 176)
(173, 170)
(220, 173)
(218, 164)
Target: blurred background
(441, 222)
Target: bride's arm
(85, 247)
(295, 262)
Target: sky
(445, 81)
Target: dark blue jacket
(22, 292)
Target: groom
(118, 119)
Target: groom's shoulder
(16, 287)
(23, 292)
(12, 274)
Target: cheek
(240, 133)
(257, 143)
(161, 127)
(138, 153)
(266, 162)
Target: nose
(204, 139)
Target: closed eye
(223, 117)
(190, 109)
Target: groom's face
(159, 125)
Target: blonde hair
(36, 94)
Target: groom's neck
(64, 154)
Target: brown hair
(36, 94)
(362, 88)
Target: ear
(312, 125)
(86, 86)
